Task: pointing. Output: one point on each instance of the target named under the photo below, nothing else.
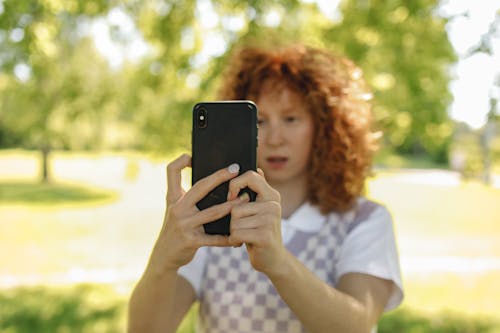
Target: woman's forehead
(279, 92)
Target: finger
(214, 240)
(174, 182)
(254, 208)
(205, 185)
(261, 172)
(212, 213)
(249, 222)
(247, 236)
(256, 215)
(255, 182)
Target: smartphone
(223, 133)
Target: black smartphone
(223, 133)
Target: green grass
(431, 209)
(98, 308)
(405, 320)
(473, 295)
(82, 308)
(409, 321)
(430, 219)
(17, 192)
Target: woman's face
(285, 134)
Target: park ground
(90, 233)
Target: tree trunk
(487, 136)
(45, 150)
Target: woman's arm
(354, 306)
(154, 298)
(151, 307)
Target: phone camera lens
(202, 118)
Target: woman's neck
(293, 195)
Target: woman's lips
(277, 162)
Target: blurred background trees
(101, 75)
(59, 90)
(55, 86)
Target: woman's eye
(260, 121)
(290, 119)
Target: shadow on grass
(38, 193)
(98, 308)
(407, 321)
(83, 308)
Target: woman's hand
(257, 224)
(182, 232)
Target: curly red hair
(337, 96)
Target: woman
(318, 257)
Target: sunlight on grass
(436, 209)
(474, 294)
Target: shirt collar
(307, 218)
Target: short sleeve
(370, 248)
(193, 271)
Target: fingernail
(234, 168)
(244, 197)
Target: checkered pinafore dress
(237, 298)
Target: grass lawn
(81, 308)
(102, 232)
(36, 193)
(469, 208)
(98, 308)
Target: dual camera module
(201, 115)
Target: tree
(401, 46)
(58, 84)
(405, 53)
(488, 132)
(162, 91)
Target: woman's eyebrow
(281, 110)
(289, 109)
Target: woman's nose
(274, 134)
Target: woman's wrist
(159, 263)
(158, 270)
(283, 268)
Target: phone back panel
(230, 136)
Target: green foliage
(63, 104)
(387, 158)
(470, 146)
(73, 100)
(405, 53)
(36, 193)
(402, 47)
(83, 308)
(61, 101)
